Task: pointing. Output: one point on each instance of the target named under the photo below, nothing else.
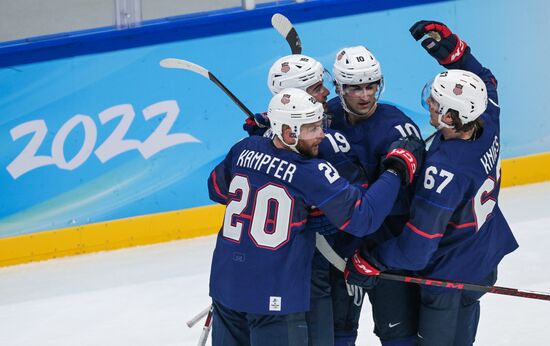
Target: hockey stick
(469, 287)
(206, 328)
(338, 262)
(199, 316)
(286, 29)
(187, 65)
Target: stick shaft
(198, 317)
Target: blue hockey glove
(318, 222)
(363, 269)
(405, 156)
(256, 126)
(442, 44)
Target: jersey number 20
(267, 197)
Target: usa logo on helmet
(285, 99)
(458, 89)
(285, 67)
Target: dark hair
(458, 126)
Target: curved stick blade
(184, 65)
(285, 28)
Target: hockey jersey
(457, 230)
(262, 260)
(370, 139)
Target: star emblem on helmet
(285, 67)
(458, 89)
(285, 99)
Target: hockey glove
(363, 269)
(405, 156)
(442, 44)
(256, 126)
(318, 222)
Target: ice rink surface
(143, 296)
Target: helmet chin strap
(442, 124)
(290, 146)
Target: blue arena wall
(94, 133)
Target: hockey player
(260, 277)
(371, 126)
(457, 230)
(306, 73)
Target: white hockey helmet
(460, 90)
(356, 65)
(294, 71)
(293, 107)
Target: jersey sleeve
(219, 180)
(350, 208)
(438, 193)
(335, 148)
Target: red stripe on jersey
(297, 224)
(216, 187)
(347, 222)
(316, 213)
(464, 225)
(345, 225)
(424, 234)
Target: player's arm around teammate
(260, 277)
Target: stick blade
(285, 28)
(184, 65)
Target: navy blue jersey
(457, 230)
(336, 149)
(262, 260)
(370, 139)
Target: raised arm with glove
(447, 48)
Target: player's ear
(288, 136)
(447, 118)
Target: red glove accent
(443, 30)
(408, 158)
(361, 266)
(457, 53)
